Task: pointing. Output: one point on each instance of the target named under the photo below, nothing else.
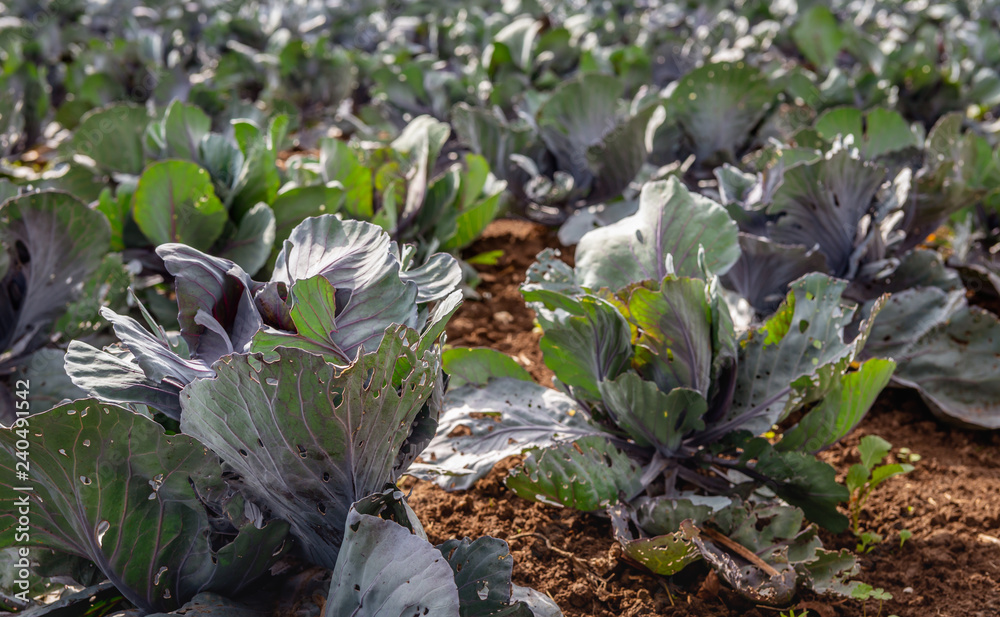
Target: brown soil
(950, 567)
(501, 320)
(950, 503)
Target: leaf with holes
(804, 335)
(587, 474)
(841, 408)
(822, 203)
(117, 378)
(481, 426)
(110, 486)
(665, 554)
(385, 571)
(308, 438)
(51, 244)
(483, 568)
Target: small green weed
(865, 592)
(868, 541)
(904, 535)
(864, 477)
